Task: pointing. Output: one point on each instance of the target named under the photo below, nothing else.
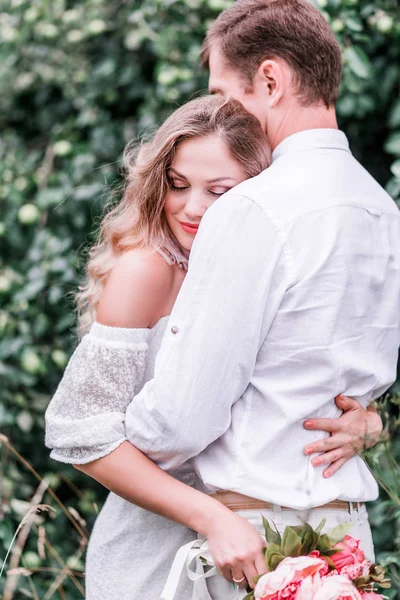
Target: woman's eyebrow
(221, 179)
(177, 173)
(216, 180)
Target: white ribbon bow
(189, 556)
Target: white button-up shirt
(292, 297)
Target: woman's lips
(189, 227)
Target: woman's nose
(196, 205)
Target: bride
(134, 274)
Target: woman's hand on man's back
(357, 429)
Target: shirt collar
(312, 139)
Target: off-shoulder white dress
(130, 549)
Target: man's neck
(300, 119)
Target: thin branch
(7, 443)
(21, 537)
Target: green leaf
(291, 542)
(320, 527)
(324, 544)
(272, 537)
(337, 533)
(352, 22)
(273, 556)
(395, 168)
(330, 562)
(392, 145)
(394, 119)
(358, 61)
(331, 552)
(309, 540)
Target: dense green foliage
(78, 79)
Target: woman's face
(202, 170)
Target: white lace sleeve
(85, 418)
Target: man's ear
(272, 76)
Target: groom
(293, 289)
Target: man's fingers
(329, 425)
(346, 403)
(335, 466)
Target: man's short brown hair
(255, 30)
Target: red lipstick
(191, 228)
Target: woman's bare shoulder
(137, 290)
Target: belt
(236, 501)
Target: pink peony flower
(355, 571)
(317, 554)
(336, 587)
(350, 553)
(371, 596)
(290, 570)
(309, 587)
(288, 593)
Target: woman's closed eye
(219, 191)
(178, 185)
(178, 188)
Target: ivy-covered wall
(78, 79)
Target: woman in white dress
(133, 277)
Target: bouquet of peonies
(306, 564)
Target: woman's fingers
(334, 467)
(327, 444)
(355, 430)
(329, 425)
(346, 403)
(239, 577)
(329, 457)
(226, 572)
(247, 574)
(243, 572)
(251, 573)
(260, 565)
(236, 547)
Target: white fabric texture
(85, 418)
(130, 549)
(291, 298)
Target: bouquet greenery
(307, 564)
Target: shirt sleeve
(229, 298)
(85, 417)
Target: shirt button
(174, 329)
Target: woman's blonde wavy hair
(138, 221)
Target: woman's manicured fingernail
(307, 424)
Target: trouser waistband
(236, 501)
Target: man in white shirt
(293, 289)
